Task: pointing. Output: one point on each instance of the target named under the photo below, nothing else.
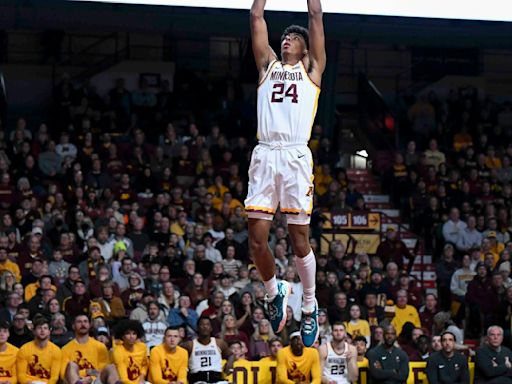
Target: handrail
(87, 48)
(418, 248)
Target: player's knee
(72, 368)
(301, 247)
(257, 246)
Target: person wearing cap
(493, 361)
(8, 265)
(490, 244)
(8, 353)
(410, 284)
(169, 361)
(376, 285)
(387, 363)
(394, 249)
(447, 365)
(404, 312)
(39, 360)
(85, 358)
(297, 363)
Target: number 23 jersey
(287, 104)
(205, 357)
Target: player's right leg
(277, 293)
(109, 375)
(72, 375)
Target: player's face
(296, 345)
(236, 350)
(204, 328)
(129, 338)
(448, 343)
(42, 332)
(293, 43)
(338, 333)
(275, 347)
(4, 335)
(82, 325)
(172, 338)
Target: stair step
(404, 233)
(389, 212)
(378, 205)
(361, 178)
(427, 276)
(423, 267)
(357, 172)
(376, 198)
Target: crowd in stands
(130, 206)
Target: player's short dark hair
(129, 325)
(5, 325)
(172, 328)
(40, 320)
(299, 30)
(359, 338)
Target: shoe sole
(285, 306)
(317, 328)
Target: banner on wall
(256, 372)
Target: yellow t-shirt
(8, 364)
(90, 355)
(242, 372)
(131, 365)
(267, 370)
(166, 367)
(38, 364)
(360, 328)
(303, 369)
(404, 315)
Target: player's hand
(377, 365)
(349, 354)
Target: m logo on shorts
(310, 191)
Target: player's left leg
(306, 267)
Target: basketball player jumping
(281, 171)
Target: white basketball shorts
(280, 175)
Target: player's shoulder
(11, 348)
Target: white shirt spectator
(468, 238)
(452, 230)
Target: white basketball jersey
(205, 357)
(335, 367)
(287, 104)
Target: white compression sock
(271, 286)
(306, 267)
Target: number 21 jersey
(205, 357)
(287, 104)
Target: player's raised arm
(317, 54)
(263, 54)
